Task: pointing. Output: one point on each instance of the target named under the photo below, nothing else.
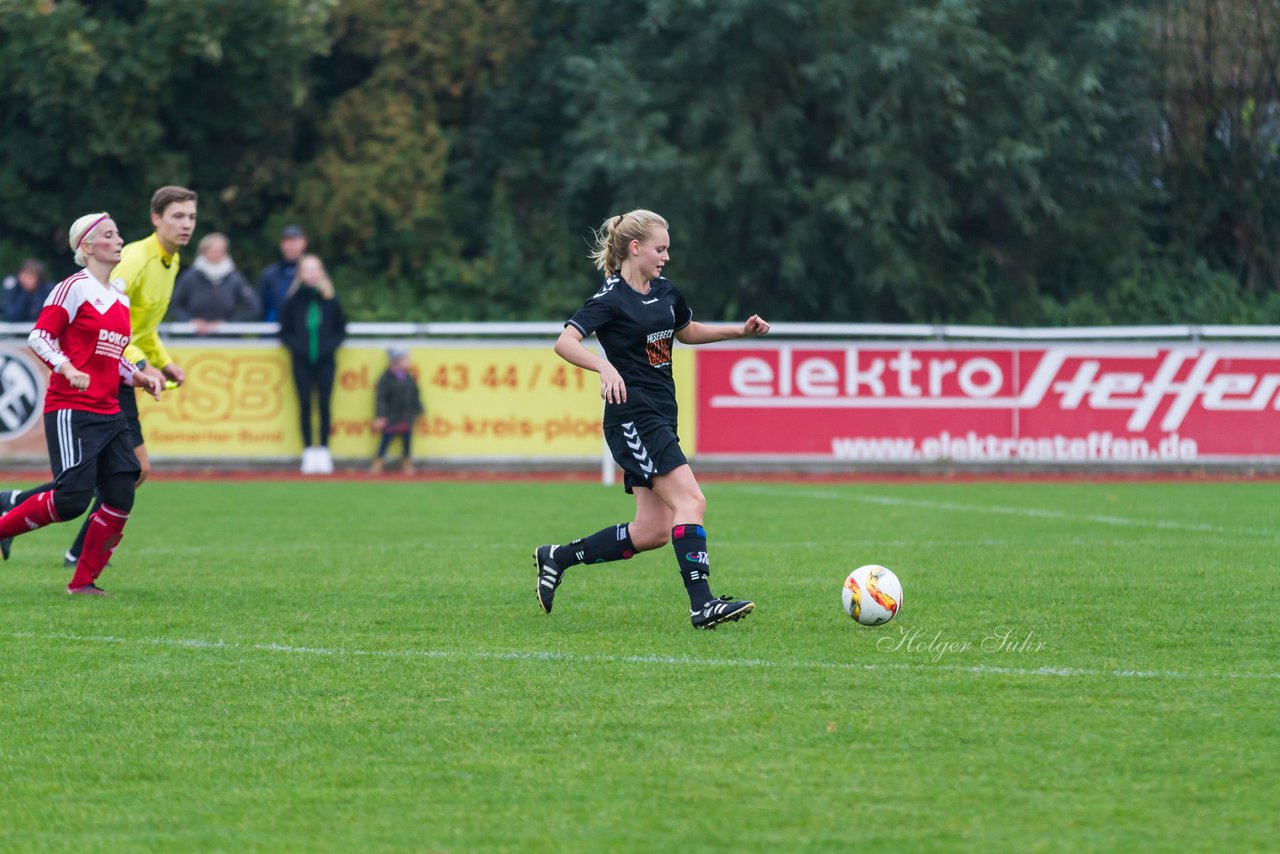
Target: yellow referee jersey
(148, 275)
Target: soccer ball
(872, 594)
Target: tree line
(967, 161)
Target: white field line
(1029, 512)
(664, 660)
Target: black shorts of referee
(129, 409)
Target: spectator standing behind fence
(398, 405)
(275, 281)
(312, 327)
(212, 290)
(25, 292)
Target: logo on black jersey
(19, 395)
(658, 348)
(606, 287)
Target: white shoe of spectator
(324, 461)
(310, 462)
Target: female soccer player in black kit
(635, 315)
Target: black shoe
(549, 575)
(70, 561)
(717, 611)
(6, 504)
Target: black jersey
(636, 331)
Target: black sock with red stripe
(604, 546)
(690, 543)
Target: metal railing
(917, 331)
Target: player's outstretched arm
(701, 333)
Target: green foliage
(1166, 290)
(103, 102)
(1215, 71)
(872, 160)
(403, 78)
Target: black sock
(27, 493)
(690, 543)
(78, 545)
(606, 545)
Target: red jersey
(87, 323)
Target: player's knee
(69, 504)
(690, 508)
(117, 491)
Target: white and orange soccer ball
(872, 595)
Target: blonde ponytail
(616, 232)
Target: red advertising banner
(1062, 403)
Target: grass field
(362, 666)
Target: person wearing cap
(82, 334)
(275, 281)
(145, 274)
(397, 407)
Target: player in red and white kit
(81, 335)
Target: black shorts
(129, 409)
(643, 449)
(85, 448)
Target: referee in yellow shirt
(146, 272)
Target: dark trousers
(314, 379)
(388, 437)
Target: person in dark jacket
(212, 290)
(397, 406)
(312, 327)
(275, 281)
(25, 292)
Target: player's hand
(78, 379)
(151, 384)
(612, 388)
(755, 325)
(175, 373)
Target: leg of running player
(72, 557)
(679, 490)
(651, 529)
